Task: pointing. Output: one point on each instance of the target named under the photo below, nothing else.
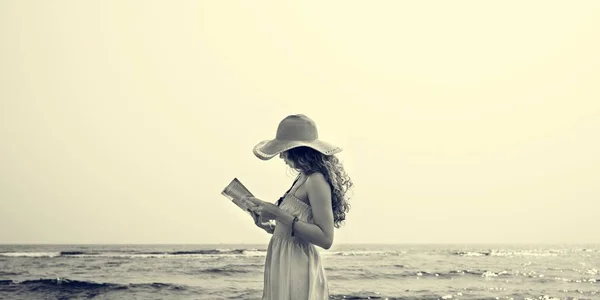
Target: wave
(90, 289)
(376, 295)
(139, 254)
(358, 274)
(469, 253)
(30, 254)
(365, 253)
(73, 253)
(45, 285)
(67, 285)
(227, 270)
(5, 273)
(503, 253)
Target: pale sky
(461, 121)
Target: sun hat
(294, 131)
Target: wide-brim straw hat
(294, 131)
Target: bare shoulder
(317, 183)
(316, 178)
(320, 198)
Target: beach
(354, 271)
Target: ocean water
(354, 271)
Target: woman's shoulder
(315, 176)
(316, 180)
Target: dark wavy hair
(309, 161)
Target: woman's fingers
(255, 209)
(255, 217)
(254, 200)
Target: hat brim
(268, 149)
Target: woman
(306, 215)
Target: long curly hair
(309, 161)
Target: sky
(461, 121)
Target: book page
(234, 191)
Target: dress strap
(298, 187)
(281, 198)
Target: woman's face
(284, 156)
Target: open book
(234, 191)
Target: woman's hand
(259, 222)
(266, 210)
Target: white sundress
(293, 268)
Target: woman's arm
(319, 195)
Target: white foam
(362, 253)
(525, 253)
(30, 254)
(473, 254)
(255, 253)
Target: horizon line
(339, 244)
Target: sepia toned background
(461, 122)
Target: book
(234, 191)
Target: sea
(409, 272)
